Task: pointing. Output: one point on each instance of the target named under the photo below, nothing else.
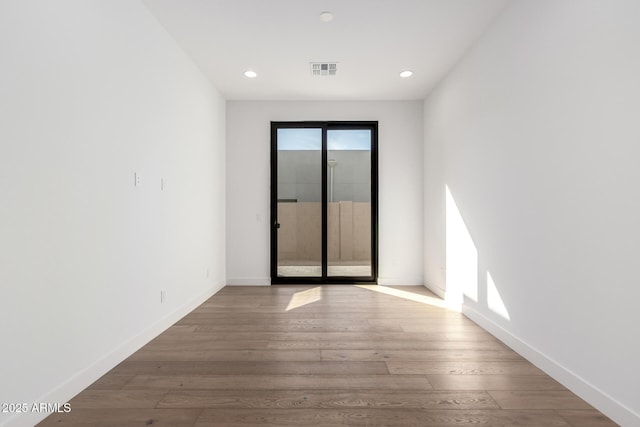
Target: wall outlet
(136, 179)
(208, 273)
(161, 184)
(163, 297)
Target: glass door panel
(299, 202)
(349, 202)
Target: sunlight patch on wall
(302, 298)
(462, 256)
(494, 300)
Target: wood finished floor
(326, 356)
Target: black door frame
(325, 126)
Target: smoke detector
(326, 16)
(322, 69)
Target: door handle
(276, 224)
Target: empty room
(319, 212)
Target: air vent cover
(322, 69)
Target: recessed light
(251, 74)
(406, 73)
(326, 16)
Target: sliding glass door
(323, 202)
(298, 226)
(349, 203)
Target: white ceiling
(372, 40)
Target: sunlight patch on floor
(302, 298)
(416, 297)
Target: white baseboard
(248, 281)
(587, 391)
(266, 281)
(87, 376)
(400, 281)
(436, 290)
(452, 300)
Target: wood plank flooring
(326, 356)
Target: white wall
(536, 134)
(400, 137)
(91, 92)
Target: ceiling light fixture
(326, 16)
(251, 74)
(406, 73)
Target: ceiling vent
(322, 69)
